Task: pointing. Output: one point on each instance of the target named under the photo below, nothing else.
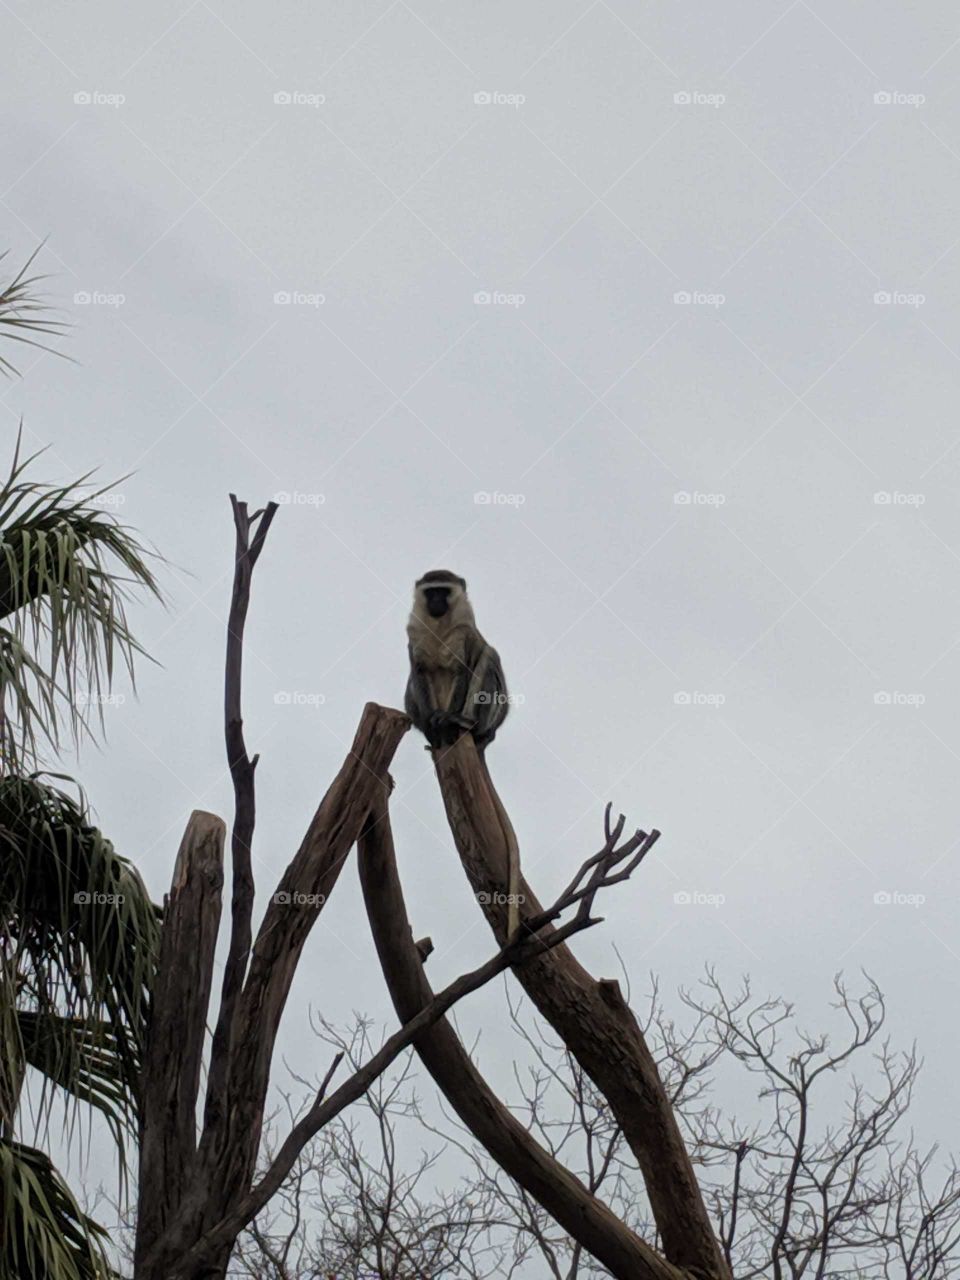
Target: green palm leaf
(43, 1234)
(23, 315)
(66, 571)
(79, 936)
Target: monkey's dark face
(438, 600)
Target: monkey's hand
(444, 727)
(461, 721)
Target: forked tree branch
(598, 872)
(587, 1219)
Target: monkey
(456, 685)
(456, 679)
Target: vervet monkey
(456, 684)
(456, 680)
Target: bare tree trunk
(589, 1015)
(180, 997)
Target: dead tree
(198, 1190)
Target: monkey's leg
(421, 705)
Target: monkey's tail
(513, 854)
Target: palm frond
(67, 568)
(81, 1057)
(43, 1233)
(23, 315)
(79, 936)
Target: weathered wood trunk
(590, 1016)
(564, 1196)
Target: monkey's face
(437, 600)
(438, 593)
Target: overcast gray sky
(644, 319)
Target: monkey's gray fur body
(456, 679)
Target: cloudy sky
(642, 318)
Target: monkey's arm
(492, 703)
(468, 682)
(418, 701)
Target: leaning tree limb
(221, 1172)
(561, 1194)
(591, 1017)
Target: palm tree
(78, 931)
